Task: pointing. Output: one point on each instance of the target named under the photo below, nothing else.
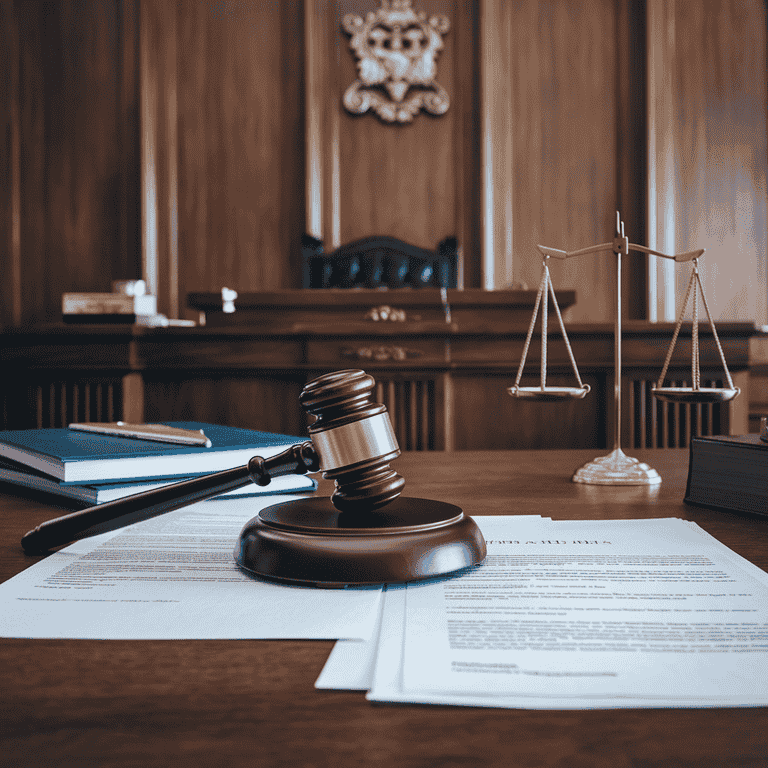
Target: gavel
(366, 533)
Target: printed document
(385, 683)
(351, 663)
(174, 577)
(641, 609)
(377, 665)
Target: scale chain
(714, 333)
(530, 329)
(565, 335)
(544, 326)
(546, 288)
(671, 349)
(695, 367)
(695, 282)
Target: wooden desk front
(227, 703)
(444, 384)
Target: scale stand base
(309, 542)
(616, 469)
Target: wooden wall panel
(242, 114)
(565, 124)
(240, 145)
(400, 179)
(497, 117)
(720, 142)
(632, 149)
(707, 114)
(74, 168)
(159, 153)
(10, 162)
(524, 424)
(268, 403)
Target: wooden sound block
(308, 541)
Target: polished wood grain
(497, 80)
(486, 416)
(469, 220)
(565, 139)
(207, 703)
(158, 73)
(632, 150)
(222, 125)
(241, 188)
(722, 205)
(402, 180)
(707, 118)
(10, 168)
(70, 174)
(448, 381)
(322, 110)
(221, 147)
(239, 400)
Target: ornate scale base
(616, 469)
(308, 541)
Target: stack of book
(106, 307)
(95, 468)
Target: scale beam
(679, 257)
(556, 253)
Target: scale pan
(549, 393)
(690, 395)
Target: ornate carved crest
(396, 50)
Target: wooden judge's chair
(379, 262)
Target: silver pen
(158, 432)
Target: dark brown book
(729, 473)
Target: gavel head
(354, 438)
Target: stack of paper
(573, 615)
(561, 615)
(174, 578)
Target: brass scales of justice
(617, 468)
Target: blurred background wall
(193, 143)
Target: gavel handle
(297, 460)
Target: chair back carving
(379, 262)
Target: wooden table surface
(230, 703)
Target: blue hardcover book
(72, 456)
(101, 493)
